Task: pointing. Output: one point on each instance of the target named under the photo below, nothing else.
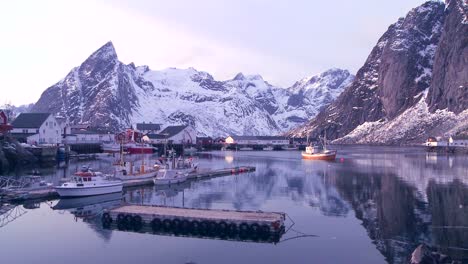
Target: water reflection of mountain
(402, 203)
(273, 179)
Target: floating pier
(256, 226)
(50, 193)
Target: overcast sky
(41, 41)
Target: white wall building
(89, 135)
(175, 135)
(257, 140)
(37, 128)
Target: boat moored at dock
(88, 183)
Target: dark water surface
(374, 205)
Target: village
(44, 134)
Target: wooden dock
(50, 193)
(255, 226)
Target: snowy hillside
(104, 91)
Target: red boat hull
(137, 150)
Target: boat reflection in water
(89, 207)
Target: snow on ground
(415, 124)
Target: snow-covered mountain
(414, 84)
(104, 91)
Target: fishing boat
(175, 171)
(126, 171)
(87, 183)
(268, 148)
(245, 148)
(319, 152)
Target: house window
(46, 123)
(37, 131)
(43, 131)
(25, 131)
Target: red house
(4, 125)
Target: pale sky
(284, 41)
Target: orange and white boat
(312, 153)
(319, 152)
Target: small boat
(290, 147)
(190, 151)
(319, 152)
(126, 171)
(268, 148)
(110, 147)
(88, 183)
(175, 172)
(245, 148)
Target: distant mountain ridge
(104, 91)
(414, 84)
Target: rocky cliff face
(386, 101)
(96, 92)
(104, 91)
(449, 86)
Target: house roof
(148, 126)
(30, 120)
(172, 130)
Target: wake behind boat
(88, 183)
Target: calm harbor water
(373, 205)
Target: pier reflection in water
(374, 206)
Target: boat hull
(319, 156)
(89, 190)
(171, 177)
(141, 176)
(137, 150)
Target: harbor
(49, 192)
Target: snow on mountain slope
(104, 91)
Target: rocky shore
(12, 155)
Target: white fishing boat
(88, 183)
(245, 148)
(111, 147)
(268, 148)
(190, 151)
(127, 171)
(176, 171)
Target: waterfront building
(175, 135)
(37, 128)
(257, 140)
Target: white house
(89, 135)
(257, 140)
(175, 135)
(37, 128)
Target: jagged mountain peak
(249, 77)
(332, 78)
(106, 52)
